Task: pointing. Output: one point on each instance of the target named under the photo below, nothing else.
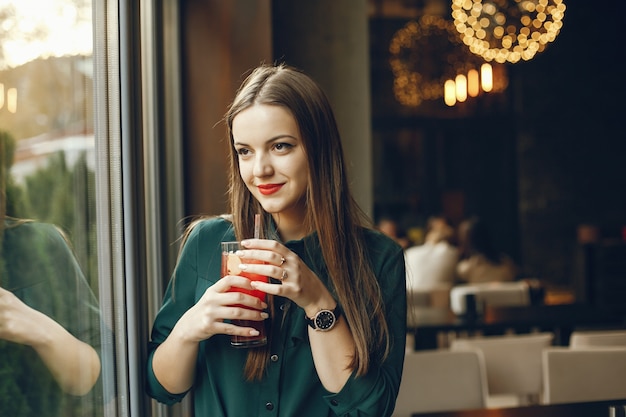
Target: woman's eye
(243, 151)
(282, 146)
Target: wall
(329, 40)
(222, 40)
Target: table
(561, 319)
(583, 409)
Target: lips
(267, 189)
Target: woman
(286, 163)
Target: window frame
(137, 126)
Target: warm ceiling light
(507, 30)
(473, 83)
(486, 77)
(461, 88)
(449, 93)
(423, 55)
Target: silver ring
(282, 260)
(284, 275)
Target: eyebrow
(270, 140)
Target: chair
(492, 293)
(427, 303)
(579, 375)
(441, 380)
(513, 363)
(595, 338)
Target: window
(86, 100)
(49, 257)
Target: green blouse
(291, 387)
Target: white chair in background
(578, 375)
(441, 380)
(513, 363)
(492, 293)
(597, 338)
(427, 303)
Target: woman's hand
(297, 281)
(206, 317)
(20, 323)
(174, 361)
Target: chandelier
(426, 54)
(508, 30)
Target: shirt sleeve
(375, 393)
(181, 295)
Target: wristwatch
(324, 320)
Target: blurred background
(110, 126)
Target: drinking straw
(257, 226)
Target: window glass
(50, 317)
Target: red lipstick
(267, 189)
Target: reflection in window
(48, 263)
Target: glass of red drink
(230, 266)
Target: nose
(262, 165)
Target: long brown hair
(331, 209)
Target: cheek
(245, 172)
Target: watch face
(324, 320)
